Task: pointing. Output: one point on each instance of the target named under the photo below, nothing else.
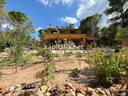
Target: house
(51, 35)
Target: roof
(91, 38)
(43, 31)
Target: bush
(75, 72)
(56, 54)
(45, 53)
(109, 68)
(117, 49)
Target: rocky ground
(35, 89)
(25, 83)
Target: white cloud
(6, 25)
(90, 7)
(50, 2)
(44, 2)
(69, 20)
(36, 29)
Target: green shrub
(79, 55)
(68, 53)
(117, 49)
(56, 54)
(75, 72)
(109, 68)
(45, 53)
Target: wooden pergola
(68, 37)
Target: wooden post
(94, 42)
(83, 41)
(68, 38)
(42, 41)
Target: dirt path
(62, 74)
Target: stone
(107, 92)
(30, 92)
(17, 88)
(48, 94)
(43, 88)
(94, 94)
(80, 94)
(10, 90)
(40, 93)
(113, 90)
(82, 90)
(118, 86)
(69, 85)
(100, 91)
(30, 86)
(2, 89)
(124, 88)
(122, 94)
(49, 88)
(90, 91)
(9, 94)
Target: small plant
(75, 73)
(46, 74)
(108, 68)
(79, 55)
(45, 53)
(117, 49)
(49, 71)
(41, 74)
(56, 55)
(67, 54)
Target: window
(73, 32)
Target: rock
(17, 88)
(48, 94)
(40, 93)
(107, 92)
(80, 94)
(30, 92)
(82, 90)
(118, 86)
(124, 88)
(30, 86)
(94, 94)
(90, 91)
(113, 90)
(10, 90)
(123, 94)
(56, 91)
(43, 88)
(2, 89)
(69, 86)
(49, 88)
(9, 94)
(101, 91)
(18, 93)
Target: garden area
(29, 68)
(70, 73)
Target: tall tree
(22, 27)
(17, 18)
(119, 11)
(3, 15)
(89, 25)
(107, 35)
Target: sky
(58, 12)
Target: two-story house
(70, 34)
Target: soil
(27, 74)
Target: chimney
(50, 25)
(71, 26)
